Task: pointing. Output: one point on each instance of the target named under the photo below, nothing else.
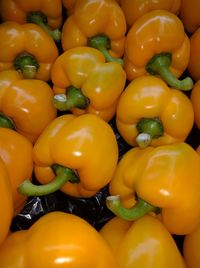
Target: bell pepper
(191, 248)
(25, 104)
(98, 23)
(84, 83)
(134, 9)
(70, 154)
(144, 243)
(189, 14)
(6, 208)
(164, 179)
(57, 239)
(28, 49)
(16, 153)
(69, 6)
(149, 112)
(157, 44)
(194, 65)
(45, 13)
(195, 99)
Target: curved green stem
(40, 19)
(160, 64)
(27, 64)
(6, 122)
(130, 214)
(148, 128)
(63, 175)
(73, 98)
(102, 43)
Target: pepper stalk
(40, 19)
(141, 208)
(63, 175)
(160, 64)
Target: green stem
(63, 175)
(27, 64)
(160, 64)
(130, 214)
(73, 98)
(102, 43)
(148, 128)
(40, 19)
(6, 122)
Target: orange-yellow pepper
(144, 243)
(165, 177)
(195, 99)
(191, 248)
(189, 14)
(25, 104)
(84, 83)
(194, 60)
(69, 6)
(16, 153)
(57, 239)
(134, 9)
(70, 153)
(157, 44)
(28, 49)
(149, 112)
(97, 23)
(6, 208)
(46, 13)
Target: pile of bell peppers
(74, 75)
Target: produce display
(100, 133)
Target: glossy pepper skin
(195, 99)
(149, 112)
(45, 13)
(134, 9)
(57, 239)
(16, 153)
(190, 248)
(28, 49)
(144, 243)
(84, 83)
(6, 208)
(27, 102)
(148, 49)
(194, 65)
(189, 14)
(166, 177)
(92, 18)
(72, 151)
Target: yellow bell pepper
(134, 9)
(69, 155)
(98, 23)
(16, 153)
(28, 49)
(45, 13)
(25, 104)
(189, 14)
(84, 83)
(157, 44)
(6, 208)
(144, 243)
(57, 239)
(166, 178)
(191, 248)
(195, 99)
(69, 6)
(194, 65)
(149, 112)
